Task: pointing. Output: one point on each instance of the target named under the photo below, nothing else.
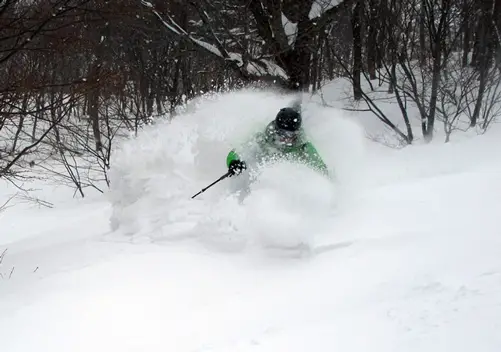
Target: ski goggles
(286, 138)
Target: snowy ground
(405, 247)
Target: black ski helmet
(288, 119)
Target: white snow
(406, 246)
(320, 6)
(274, 69)
(207, 46)
(290, 30)
(263, 67)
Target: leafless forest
(78, 74)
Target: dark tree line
(441, 55)
(75, 74)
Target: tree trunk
(481, 90)
(436, 73)
(438, 38)
(357, 50)
(371, 41)
(18, 132)
(483, 54)
(393, 75)
(497, 31)
(93, 103)
(422, 41)
(466, 33)
(297, 62)
(21, 122)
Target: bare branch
(255, 69)
(2, 256)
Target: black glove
(236, 167)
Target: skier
(283, 139)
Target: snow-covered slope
(405, 247)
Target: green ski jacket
(264, 150)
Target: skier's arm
(232, 155)
(250, 146)
(314, 158)
(233, 161)
(234, 164)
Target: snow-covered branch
(249, 69)
(320, 19)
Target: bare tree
(285, 58)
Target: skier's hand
(236, 167)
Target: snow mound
(285, 210)
(155, 175)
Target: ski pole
(228, 174)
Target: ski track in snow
(403, 253)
